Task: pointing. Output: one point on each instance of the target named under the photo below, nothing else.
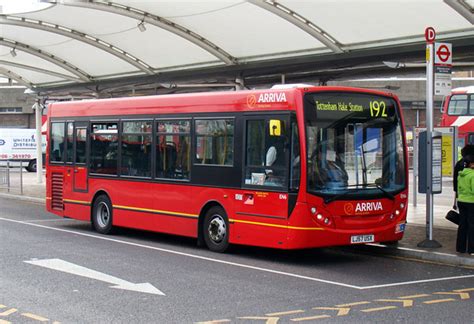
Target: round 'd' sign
(430, 34)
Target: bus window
(104, 147)
(215, 141)
(69, 141)
(136, 149)
(458, 105)
(81, 141)
(266, 153)
(57, 142)
(295, 157)
(173, 149)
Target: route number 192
(378, 109)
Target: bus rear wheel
(102, 215)
(216, 229)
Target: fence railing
(11, 176)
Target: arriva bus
(458, 110)
(286, 168)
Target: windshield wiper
(374, 185)
(387, 194)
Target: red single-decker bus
(287, 167)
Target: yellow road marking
(462, 295)
(309, 318)
(463, 290)
(4, 322)
(353, 304)
(341, 311)
(8, 312)
(213, 322)
(286, 313)
(414, 296)
(35, 317)
(269, 320)
(369, 310)
(406, 302)
(435, 301)
(2, 306)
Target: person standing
(466, 150)
(465, 237)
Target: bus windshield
(354, 144)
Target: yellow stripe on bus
(279, 226)
(156, 211)
(77, 201)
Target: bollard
(8, 176)
(21, 178)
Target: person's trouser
(465, 236)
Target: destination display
(335, 105)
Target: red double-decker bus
(458, 110)
(288, 168)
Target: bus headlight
(313, 210)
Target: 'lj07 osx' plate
(362, 238)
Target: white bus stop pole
(39, 145)
(429, 139)
(429, 242)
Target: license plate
(362, 239)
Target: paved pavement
(444, 232)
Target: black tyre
(216, 229)
(102, 215)
(31, 166)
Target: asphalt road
(59, 270)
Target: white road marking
(71, 268)
(288, 274)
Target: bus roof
(469, 89)
(201, 102)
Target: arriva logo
(368, 206)
(2, 142)
(272, 97)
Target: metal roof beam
(299, 21)
(146, 17)
(40, 70)
(74, 34)
(18, 78)
(462, 8)
(46, 56)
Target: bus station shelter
(114, 48)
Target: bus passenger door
(80, 157)
(266, 169)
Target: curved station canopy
(90, 46)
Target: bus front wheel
(216, 229)
(31, 166)
(102, 215)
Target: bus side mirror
(275, 127)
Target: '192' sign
(378, 109)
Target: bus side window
(173, 149)
(214, 142)
(57, 142)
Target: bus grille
(57, 191)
